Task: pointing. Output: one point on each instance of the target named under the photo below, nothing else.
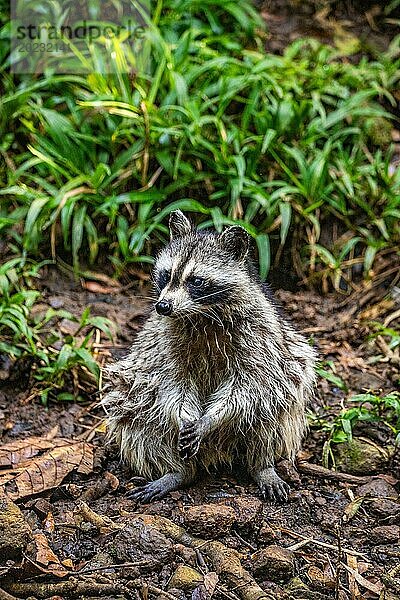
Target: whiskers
(209, 313)
(221, 291)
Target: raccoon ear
(179, 225)
(236, 241)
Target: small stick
(246, 543)
(318, 471)
(322, 544)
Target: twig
(151, 588)
(73, 588)
(322, 544)
(318, 471)
(245, 542)
(83, 571)
(339, 561)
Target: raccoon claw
(272, 487)
(187, 452)
(145, 493)
(190, 437)
(275, 492)
(155, 490)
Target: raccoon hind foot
(155, 490)
(271, 486)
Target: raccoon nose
(164, 307)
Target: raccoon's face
(201, 272)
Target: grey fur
(224, 377)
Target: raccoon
(216, 376)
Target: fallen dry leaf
(320, 579)
(19, 451)
(376, 588)
(98, 288)
(352, 508)
(45, 559)
(206, 589)
(46, 471)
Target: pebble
(248, 511)
(385, 508)
(386, 534)
(185, 578)
(377, 487)
(15, 532)
(274, 563)
(209, 520)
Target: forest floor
(337, 537)
(67, 529)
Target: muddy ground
(337, 537)
(67, 529)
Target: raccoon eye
(196, 281)
(163, 278)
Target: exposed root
(5, 596)
(224, 560)
(73, 588)
(318, 471)
(102, 522)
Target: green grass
(62, 367)
(91, 166)
(364, 408)
(215, 126)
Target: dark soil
(319, 510)
(340, 23)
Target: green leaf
(285, 210)
(264, 254)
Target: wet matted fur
(223, 376)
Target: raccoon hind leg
(260, 458)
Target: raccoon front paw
(190, 436)
(272, 487)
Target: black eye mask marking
(208, 292)
(163, 278)
(196, 282)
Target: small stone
(387, 534)
(378, 488)
(360, 457)
(56, 301)
(268, 535)
(68, 327)
(42, 507)
(209, 520)
(188, 554)
(297, 585)
(385, 508)
(248, 511)
(15, 532)
(320, 500)
(142, 543)
(274, 563)
(185, 578)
